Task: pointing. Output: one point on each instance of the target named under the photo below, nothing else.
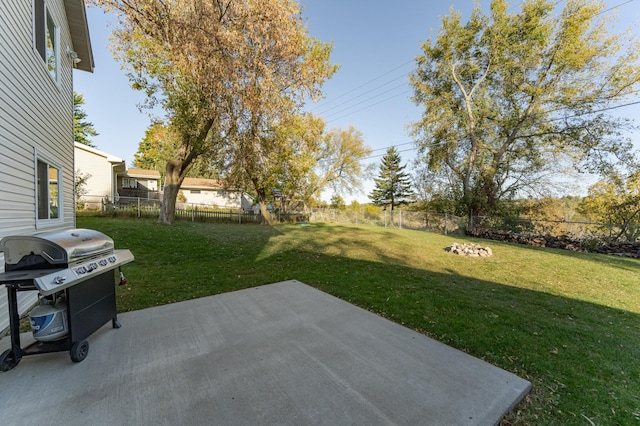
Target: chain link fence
(419, 221)
(371, 215)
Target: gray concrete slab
(280, 354)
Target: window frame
(127, 182)
(42, 20)
(43, 167)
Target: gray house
(41, 42)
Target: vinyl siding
(213, 197)
(101, 181)
(36, 117)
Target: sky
(374, 42)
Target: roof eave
(79, 28)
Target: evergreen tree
(393, 185)
(82, 130)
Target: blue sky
(375, 44)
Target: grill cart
(73, 272)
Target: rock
(469, 250)
(623, 249)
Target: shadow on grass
(581, 357)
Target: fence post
(446, 218)
(138, 207)
(399, 219)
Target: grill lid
(56, 247)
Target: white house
(41, 41)
(210, 192)
(100, 171)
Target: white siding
(36, 116)
(215, 198)
(98, 165)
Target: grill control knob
(112, 259)
(103, 262)
(59, 280)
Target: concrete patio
(279, 354)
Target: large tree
(302, 160)
(335, 160)
(224, 71)
(160, 144)
(510, 99)
(83, 130)
(615, 202)
(393, 184)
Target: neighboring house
(109, 179)
(210, 192)
(139, 183)
(41, 42)
(101, 170)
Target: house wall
(36, 118)
(100, 169)
(214, 197)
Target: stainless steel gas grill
(73, 272)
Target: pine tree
(83, 130)
(393, 185)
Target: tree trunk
(168, 206)
(266, 215)
(262, 202)
(172, 182)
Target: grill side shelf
(81, 271)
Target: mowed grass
(568, 322)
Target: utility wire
(547, 121)
(615, 7)
(322, 104)
(404, 76)
(332, 116)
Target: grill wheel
(79, 351)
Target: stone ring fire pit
(470, 250)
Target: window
(129, 183)
(46, 37)
(48, 192)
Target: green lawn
(568, 322)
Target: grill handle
(93, 251)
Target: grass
(568, 322)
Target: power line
(322, 104)
(382, 155)
(367, 100)
(615, 7)
(396, 145)
(362, 94)
(332, 115)
(372, 105)
(547, 121)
